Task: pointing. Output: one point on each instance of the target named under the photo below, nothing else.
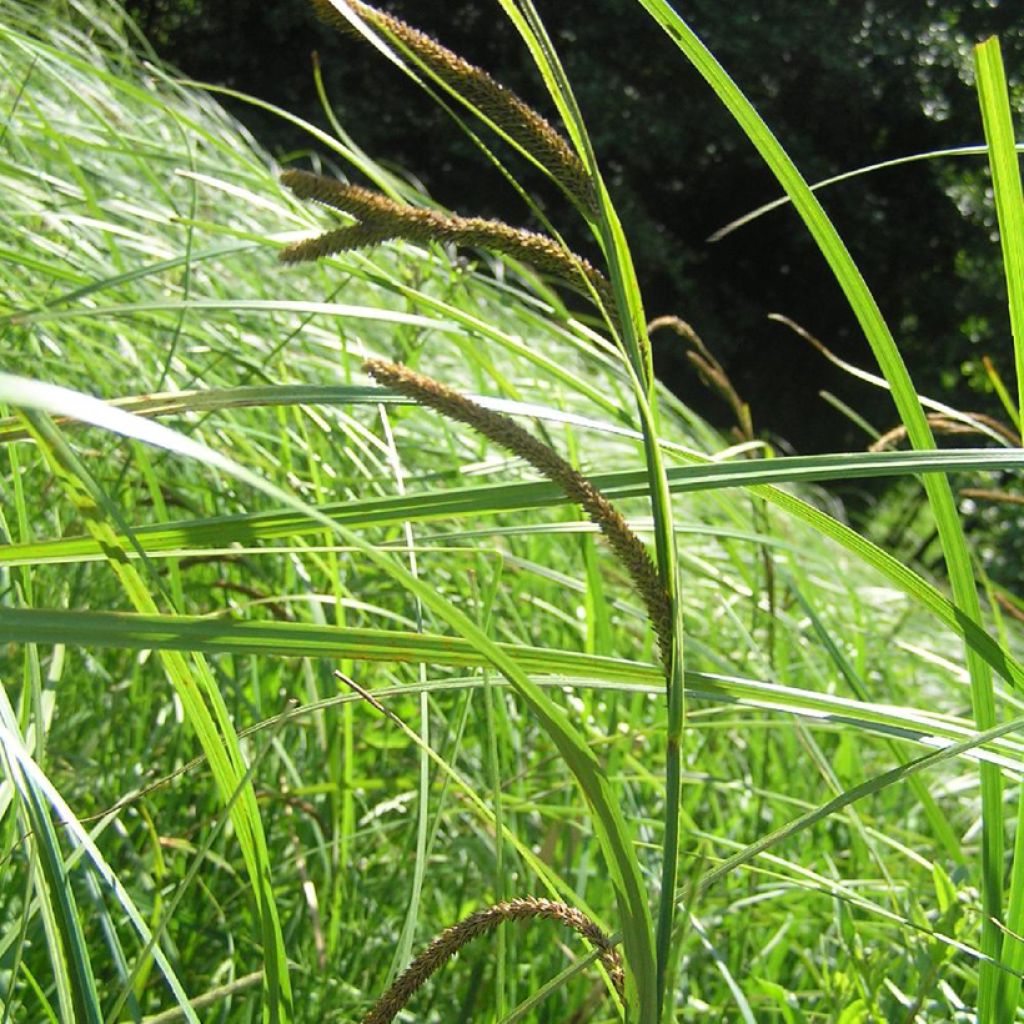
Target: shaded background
(843, 83)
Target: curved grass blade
(940, 496)
(30, 771)
(73, 976)
(631, 325)
(836, 179)
(547, 667)
(847, 798)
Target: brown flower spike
(380, 218)
(519, 121)
(504, 431)
(451, 940)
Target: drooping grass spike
(528, 129)
(504, 431)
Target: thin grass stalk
(994, 99)
(632, 334)
(403, 950)
(632, 322)
(450, 69)
(939, 493)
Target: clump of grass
(822, 869)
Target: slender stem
(627, 319)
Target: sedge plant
(225, 551)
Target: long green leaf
(1006, 184)
(78, 996)
(940, 496)
(993, 95)
(460, 502)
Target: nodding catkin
(519, 121)
(502, 430)
(381, 218)
(451, 940)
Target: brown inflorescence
(504, 431)
(381, 218)
(452, 939)
(519, 121)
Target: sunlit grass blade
(940, 826)
(485, 500)
(940, 496)
(1004, 163)
(15, 754)
(73, 976)
(547, 667)
(1006, 186)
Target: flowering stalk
(380, 218)
(452, 939)
(504, 431)
(531, 132)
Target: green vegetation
(844, 83)
(300, 671)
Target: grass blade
(993, 94)
(994, 97)
(78, 997)
(940, 496)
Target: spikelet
(355, 236)
(711, 372)
(519, 121)
(382, 218)
(452, 939)
(504, 431)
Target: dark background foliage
(843, 83)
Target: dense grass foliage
(201, 819)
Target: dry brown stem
(946, 425)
